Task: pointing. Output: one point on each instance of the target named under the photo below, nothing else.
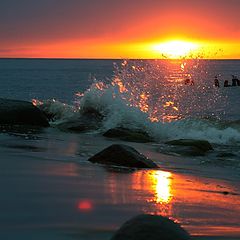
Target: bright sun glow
(162, 185)
(175, 49)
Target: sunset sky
(117, 29)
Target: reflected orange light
(157, 186)
(85, 205)
(119, 83)
(143, 105)
(36, 102)
(179, 196)
(161, 183)
(170, 118)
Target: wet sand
(45, 198)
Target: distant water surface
(134, 92)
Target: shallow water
(48, 186)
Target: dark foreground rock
(16, 112)
(128, 135)
(122, 155)
(22, 131)
(190, 147)
(150, 227)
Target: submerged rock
(152, 227)
(190, 147)
(81, 124)
(226, 155)
(201, 144)
(128, 135)
(122, 155)
(87, 120)
(16, 112)
(24, 131)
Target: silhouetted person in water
(234, 81)
(216, 82)
(238, 82)
(226, 83)
(188, 82)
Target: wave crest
(153, 97)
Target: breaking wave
(154, 97)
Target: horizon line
(62, 58)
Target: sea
(49, 190)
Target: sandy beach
(51, 191)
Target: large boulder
(122, 155)
(128, 135)
(16, 112)
(152, 227)
(189, 147)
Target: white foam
(58, 110)
(196, 129)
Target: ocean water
(47, 182)
(148, 94)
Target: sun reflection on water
(157, 189)
(161, 184)
(153, 186)
(176, 196)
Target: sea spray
(153, 96)
(55, 110)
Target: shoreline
(51, 187)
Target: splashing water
(161, 89)
(169, 99)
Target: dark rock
(81, 124)
(201, 144)
(128, 135)
(190, 147)
(118, 169)
(152, 227)
(226, 155)
(16, 112)
(122, 155)
(24, 131)
(89, 119)
(43, 107)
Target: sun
(175, 49)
